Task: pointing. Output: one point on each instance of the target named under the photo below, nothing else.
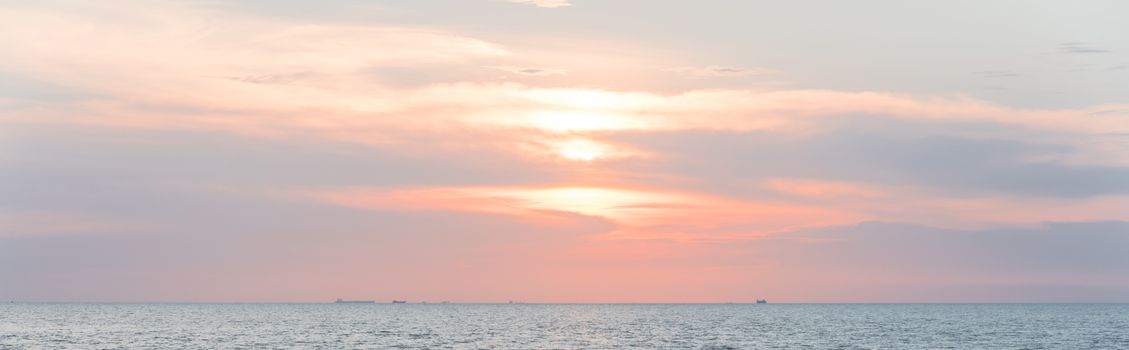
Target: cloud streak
(1075, 47)
(717, 71)
(531, 71)
(543, 3)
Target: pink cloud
(821, 188)
(638, 213)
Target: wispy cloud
(530, 71)
(543, 3)
(637, 213)
(1080, 48)
(718, 71)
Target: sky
(564, 151)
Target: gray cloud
(884, 152)
(214, 209)
(1080, 48)
(250, 248)
(1046, 262)
(90, 169)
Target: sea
(563, 326)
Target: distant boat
(343, 301)
(762, 301)
(399, 301)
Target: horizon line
(563, 303)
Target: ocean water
(564, 326)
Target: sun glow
(591, 99)
(570, 121)
(581, 149)
(637, 213)
(609, 202)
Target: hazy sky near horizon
(564, 150)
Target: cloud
(1080, 48)
(821, 188)
(338, 82)
(717, 71)
(884, 153)
(1031, 263)
(233, 251)
(296, 250)
(314, 61)
(543, 3)
(638, 214)
(332, 86)
(530, 71)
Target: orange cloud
(639, 213)
(266, 77)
